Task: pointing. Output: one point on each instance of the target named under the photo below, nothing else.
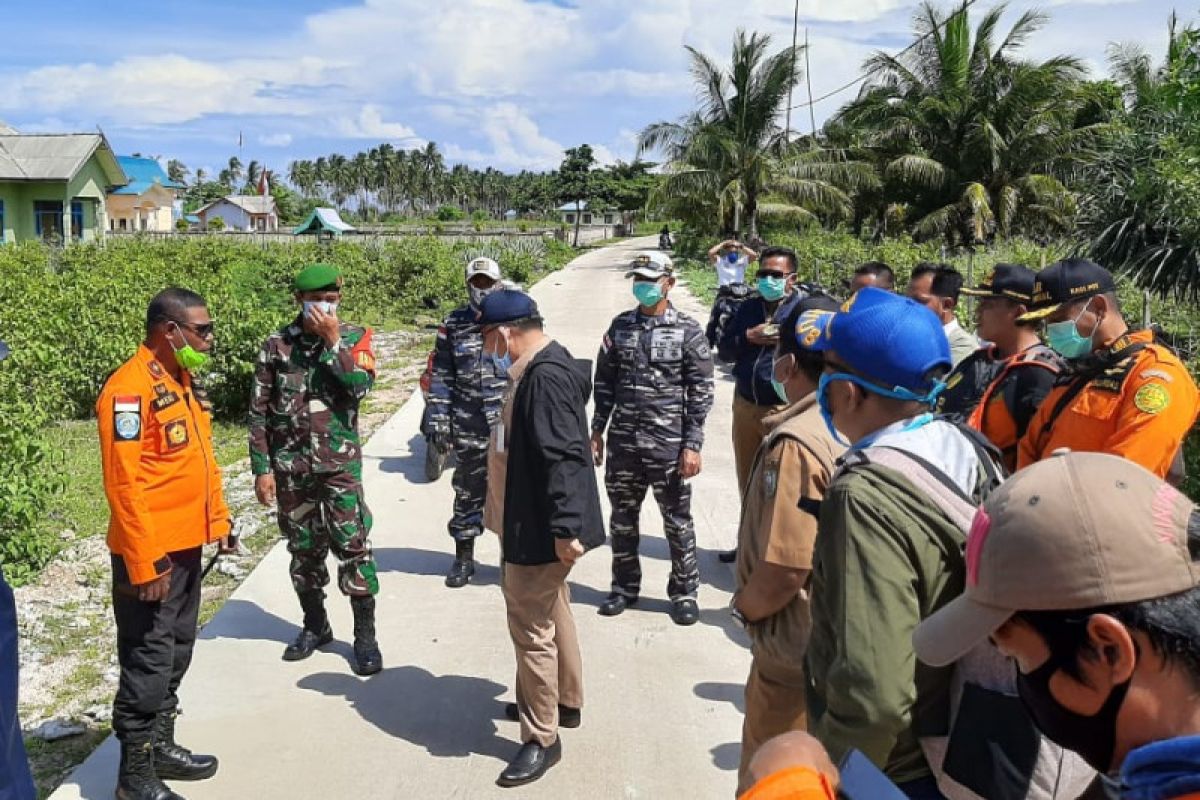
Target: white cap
(483, 266)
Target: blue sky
(505, 83)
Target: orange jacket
(1009, 402)
(795, 783)
(160, 474)
(1141, 408)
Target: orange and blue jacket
(161, 476)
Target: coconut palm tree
(969, 135)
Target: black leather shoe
(307, 642)
(614, 604)
(173, 762)
(685, 611)
(463, 568)
(727, 556)
(567, 717)
(531, 763)
(136, 779)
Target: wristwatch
(737, 615)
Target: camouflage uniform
(464, 403)
(304, 428)
(729, 298)
(654, 377)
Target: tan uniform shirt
(776, 529)
(497, 459)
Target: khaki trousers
(775, 704)
(748, 433)
(549, 667)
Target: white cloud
(370, 124)
(275, 140)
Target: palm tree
(969, 135)
(234, 171)
(254, 171)
(177, 171)
(720, 156)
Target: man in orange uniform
(164, 495)
(1123, 394)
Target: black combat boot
(135, 777)
(464, 564)
(175, 763)
(368, 659)
(316, 631)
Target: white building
(239, 212)
(588, 216)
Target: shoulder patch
(127, 418)
(176, 434)
(1152, 398)
(156, 369)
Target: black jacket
(753, 364)
(551, 490)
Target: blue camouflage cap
(885, 338)
(507, 305)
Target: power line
(966, 4)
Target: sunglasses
(203, 331)
(769, 273)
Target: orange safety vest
(161, 476)
(1140, 406)
(993, 416)
(794, 783)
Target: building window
(570, 219)
(48, 219)
(1, 221)
(76, 220)
(608, 219)
(587, 219)
(124, 224)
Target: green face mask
(189, 357)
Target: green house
(53, 186)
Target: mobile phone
(770, 331)
(862, 780)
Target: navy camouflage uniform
(654, 378)
(729, 298)
(465, 397)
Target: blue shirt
(1164, 770)
(15, 780)
(753, 364)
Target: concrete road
(662, 717)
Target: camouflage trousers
(322, 512)
(626, 478)
(470, 484)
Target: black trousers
(154, 645)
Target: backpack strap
(1080, 380)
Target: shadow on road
(732, 693)
(242, 619)
(727, 756)
(451, 716)
(415, 561)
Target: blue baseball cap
(885, 338)
(507, 305)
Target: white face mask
(325, 307)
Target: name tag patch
(165, 398)
(666, 344)
(127, 418)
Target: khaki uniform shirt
(497, 458)
(791, 472)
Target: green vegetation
(77, 313)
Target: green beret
(316, 277)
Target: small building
(242, 212)
(147, 202)
(324, 222)
(53, 186)
(588, 216)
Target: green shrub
(448, 214)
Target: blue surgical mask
(1064, 338)
(772, 289)
(505, 361)
(779, 390)
(648, 294)
(731, 257)
(325, 307)
(898, 392)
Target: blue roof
(143, 174)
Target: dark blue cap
(507, 305)
(885, 338)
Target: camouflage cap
(316, 277)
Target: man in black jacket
(550, 516)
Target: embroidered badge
(166, 398)
(156, 369)
(176, 434)
(127, 418)
(1152, 398)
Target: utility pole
(787, 134)
(812, 114)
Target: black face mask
(1094, 738)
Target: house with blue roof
(149, 202)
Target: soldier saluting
(304, 451)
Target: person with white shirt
(936, 286)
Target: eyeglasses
(203, 331)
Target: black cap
(1066, 281)
(507, 305)
(1011, 281)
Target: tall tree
(177, 171)
(575, 180)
